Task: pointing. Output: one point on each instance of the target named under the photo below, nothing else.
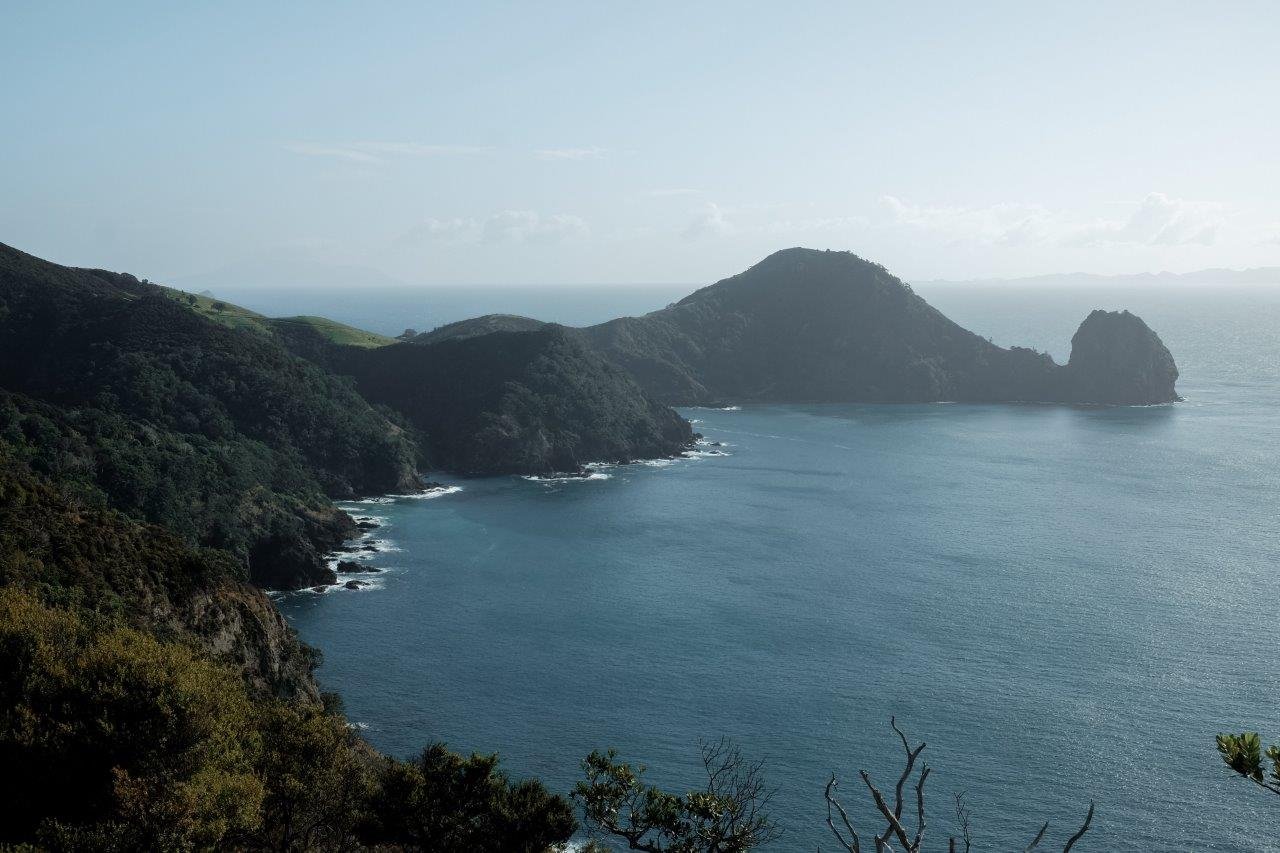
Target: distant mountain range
(1220, 277)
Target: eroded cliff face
(1117, 359)
(71, 554)
(239, 624)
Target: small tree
(1243, 754)
(726, 816)
(443, 801)
(903, 830)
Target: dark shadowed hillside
(516, 402)
(806, 325)
(820, 326)
(58, 545)
(218, 433)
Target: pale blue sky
(645, 142)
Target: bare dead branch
(854, 844)
(1036, 841)
(895, 826)
(896, 835)
(1088, 819)
(962, 818)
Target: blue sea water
(1065, 603)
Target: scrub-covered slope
(526, 402)
(218, 433)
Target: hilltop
(805, 325)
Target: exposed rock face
(239, 624)
(288, 563)
(53, 543)
(1117, 358)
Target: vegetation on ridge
(112, 739)
(237, 317)
(116, 389)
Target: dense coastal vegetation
(165, 457)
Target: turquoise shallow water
(1065, 603)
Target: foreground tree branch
(910, 839)
(1243, 754)
(728, 815)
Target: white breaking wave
(594, 475)
(383, 545)
(704, 454)
(438, 492)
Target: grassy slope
(242, 318)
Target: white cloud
(378, 152)
(1158, 221)
(570, 153)
(433, 230)
(506, 226)
(816, 224)
(710, 221)
(337, 151)
(1008, 224)
(671, 192)
(524, 226)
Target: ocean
(1065, 603)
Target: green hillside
(235, 317)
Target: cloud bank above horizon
(575, 143)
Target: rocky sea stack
(1117, 359)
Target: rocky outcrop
(238, 624)
(50, 542)
(1117, 359)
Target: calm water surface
(1065, 603)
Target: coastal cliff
(1117, 358)
(516, 402)
(219, 434)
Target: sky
(474, 143)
